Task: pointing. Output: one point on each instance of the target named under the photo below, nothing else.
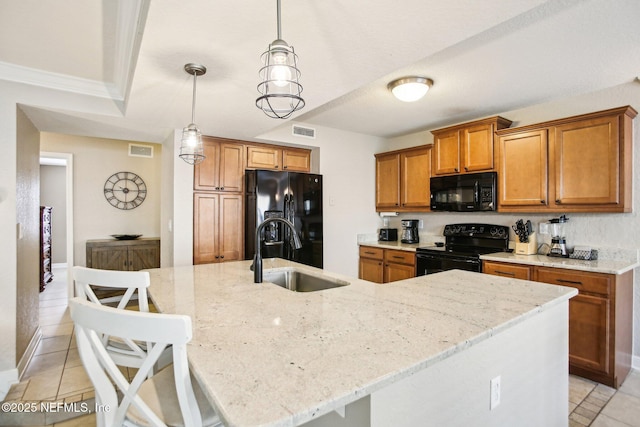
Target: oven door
(434, 263)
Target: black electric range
(464, 243)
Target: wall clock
(125, 190)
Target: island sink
(298, 281)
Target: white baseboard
(29, 352)
(7, 379)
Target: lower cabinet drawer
(507, 270)
(596, 283)
(371, 252)
(400, 257)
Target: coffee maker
(558, 240)
(409, 231)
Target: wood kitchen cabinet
(600, 318)
(279, 158)
(402, 180)
(468, 147)
(515, 271)
(386, 265)
(127, 255)
(218, 228)
(576, 164)
(371, 266)
(222, 168)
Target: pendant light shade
(279, 85)
(410, 89)
(191, 149)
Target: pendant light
(191, 150)
(279, 85)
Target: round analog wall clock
(125, 190)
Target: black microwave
(464, 193)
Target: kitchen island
(420, 351)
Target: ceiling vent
(138, 150)
(304, 132)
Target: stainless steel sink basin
(298, 281)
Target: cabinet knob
(221, 188)
(466, 169)
(456, 170)
(217, 257)
(542, 201)
(558, 201)
(222, 256)
(284, 167)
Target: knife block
(530, 248)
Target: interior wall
(53, 192)
(95, 160)
(620, 230)
(28, 242)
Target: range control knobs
(497, 231)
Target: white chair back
(132, 284)
(127, 287)
(92, 321)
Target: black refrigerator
(290, 195)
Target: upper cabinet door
(263, 157)
(294, 160)
(416, 174)
(205, 174)
(477, 148)
(523, 170)
(446, 153)
(387, 181)
(231, 168)
(587, 158)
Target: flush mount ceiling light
(279, 85)
(409, 89)
(191, 150)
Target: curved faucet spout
(257, 257)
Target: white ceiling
(486, 57)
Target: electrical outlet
(494, 387)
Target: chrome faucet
(257, 257)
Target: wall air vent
(138, 150)
(304, 132)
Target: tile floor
(56, 375)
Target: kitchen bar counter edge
(292, 357)
(607, 266)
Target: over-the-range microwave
(464, 193)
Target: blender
(558, 240)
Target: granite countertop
(608, 266)
(411, 247)
(271, 357)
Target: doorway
(65, 203)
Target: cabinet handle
(277, 166)
(466, 169)
(558, 201)
(456, 170)
(284, 167)
(572, 282)
(370, 253)
(217, 257)
(221, 256)
(221, 188)
(398, 257)
(542, 201)
(506, 273)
